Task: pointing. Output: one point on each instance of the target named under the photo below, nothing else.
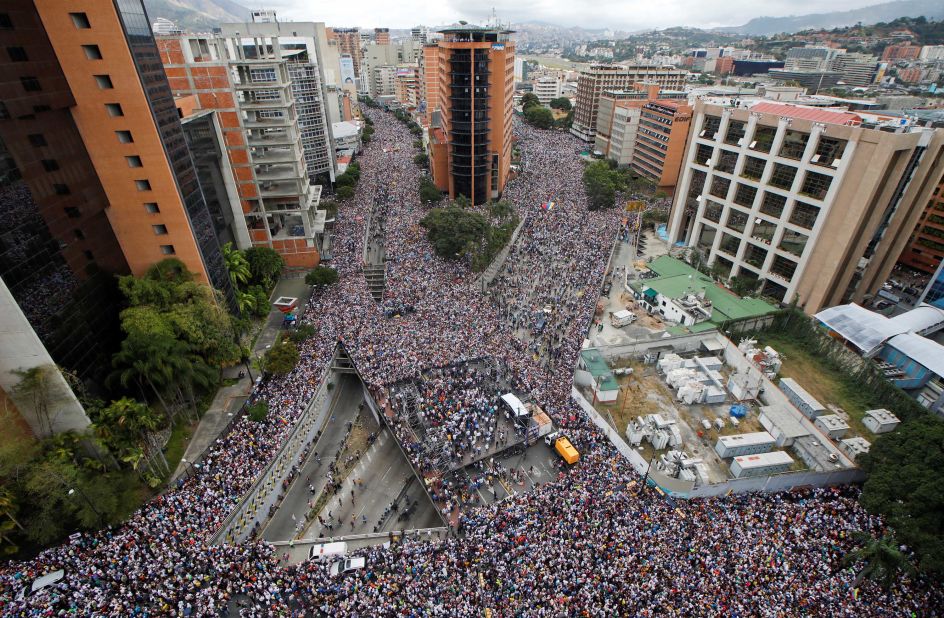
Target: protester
(592, 543)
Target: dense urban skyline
(607, 14)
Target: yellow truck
(563, 447)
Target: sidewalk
(229, 399)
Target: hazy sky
(616, 14)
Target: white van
(622, 318)
(322, 551)
(346, 566)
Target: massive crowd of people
(594, 542)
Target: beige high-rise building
(815, 205)
(600, 77)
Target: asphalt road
(282, 527)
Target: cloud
(616, 14)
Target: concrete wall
(21, 349)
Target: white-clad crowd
(591, 543)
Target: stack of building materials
(767, 360)
(669, 362)
(682, 466)
(660, 432)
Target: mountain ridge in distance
(197, 15)
(884, 12)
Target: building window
(152, 207)
(50, 165)
(79, 234)
(804, 215)
(37, 140)
(5, 22)
(168, 249)
(17, 54)
(763, 138)
(134, 161)
(41, 108)
(104, 82)
(61, 189)
(719, 187)
(829, 152)
(744, 195)
(713, 211)
(262, 75)
(159, 230)
(703, 154)
(729, 244)
(735, 133)
(783, 268)
(783, 176)
(30, 84)
(726, 161)
(737, 220)
(114, 110)
(72, 212)
(793, 242)
(753, 168)
(124, 137)
(142, 185)
(773, 204)
(92, 52)
(816, 185)
(80, 21)
(88, 255)
(794, 143)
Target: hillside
(197, 15)
(888, 11)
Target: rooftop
(868, 330)
(785, 421)
(921, 350)
(808, 113)
(676, 279)
(598, 368)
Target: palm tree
(882, 557)
(237, 265)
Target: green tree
(124, 427)
(600, 184)
(236, 264)
(321, 276)
(39, 386)
(454, 231)
(882, 559)
(421, 159)
(540, 117)
(529, 100)
(265, 266)
(345, 192)
(429, 192)
(906, 486)
(561, 103)
(258, 411)
(281, 358)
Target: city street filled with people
(595, 541)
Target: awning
(650, 293)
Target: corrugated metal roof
(868, 330)
(921, 350)
(814, 114)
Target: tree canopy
(281, 358)
(429, 192)
(906, 486)
(321, 275)
(454, 231)
(529, 100)
(561, 103)
(539, 116)
(601, 182)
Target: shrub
(258, 411)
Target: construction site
(702, 411)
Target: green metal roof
(676, 279)
(598, 368)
